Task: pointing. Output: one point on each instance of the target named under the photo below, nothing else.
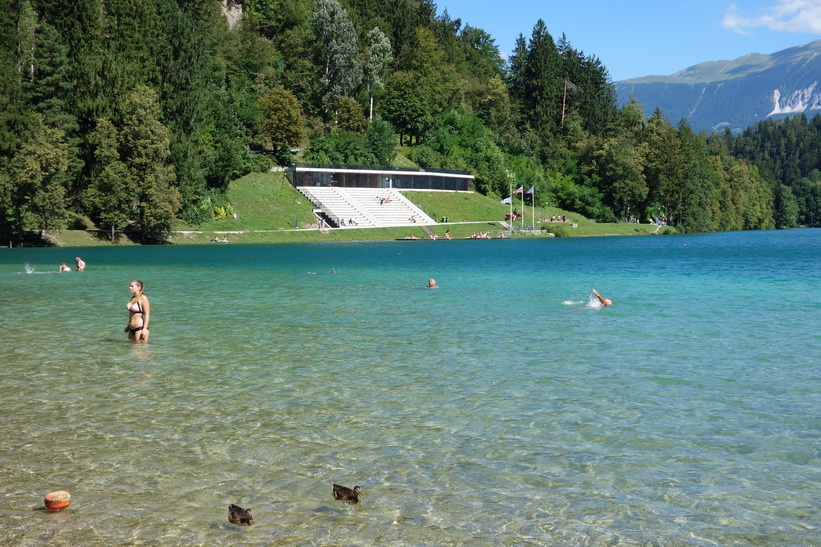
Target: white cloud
(803, 16)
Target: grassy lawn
(267, 205)
(262, 201)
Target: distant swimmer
(64, 268)
(605, 301)
(80, 264)
(432, 284)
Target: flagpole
(533, 206)
(510, 197)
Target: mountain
(734, 94)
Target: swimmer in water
(432, 284)
(605, 301)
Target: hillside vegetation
(138, 116)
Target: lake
(504, 407)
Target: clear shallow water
(501, 408)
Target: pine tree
(47, 88)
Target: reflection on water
(487, 411)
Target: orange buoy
(57, 500)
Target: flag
(529, 191)
(519, 191)
(507, 200)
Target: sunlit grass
(266, 206)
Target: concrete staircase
(365, 207)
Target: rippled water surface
(501, 408)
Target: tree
(380, 141)
(436, 79)
(481, 53)
(588, 91)
(543, 82)
(516, 70)
(786, 207)
(807, 193)
(146, 151)
(349, 116)
(621, 168)
(378, 58)
(47, 86)
(13, 111)
(404, 106)
(38, 167)
(281, 119)
(334, 29)
(665, 162)
(696, 182)
(110, 193)
(339, 147)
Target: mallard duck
(238, 515)
(348, 495)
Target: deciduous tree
(281, 122)
(378, 58)
(146, 151)
(343, 72)
(111, 193)
(37, 168)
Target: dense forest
(136, 114)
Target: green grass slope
(267, 205)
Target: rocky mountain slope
(734, 94)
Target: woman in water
(139, 312)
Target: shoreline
(459, 230)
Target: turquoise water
(502, 408)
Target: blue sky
(644, 37)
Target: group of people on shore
(80, 265)
(218, 240)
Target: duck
(348, 495)
(238, 515)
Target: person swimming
(432, 284)
(604, 301)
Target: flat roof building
(304, 174)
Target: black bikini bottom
(135, 330)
